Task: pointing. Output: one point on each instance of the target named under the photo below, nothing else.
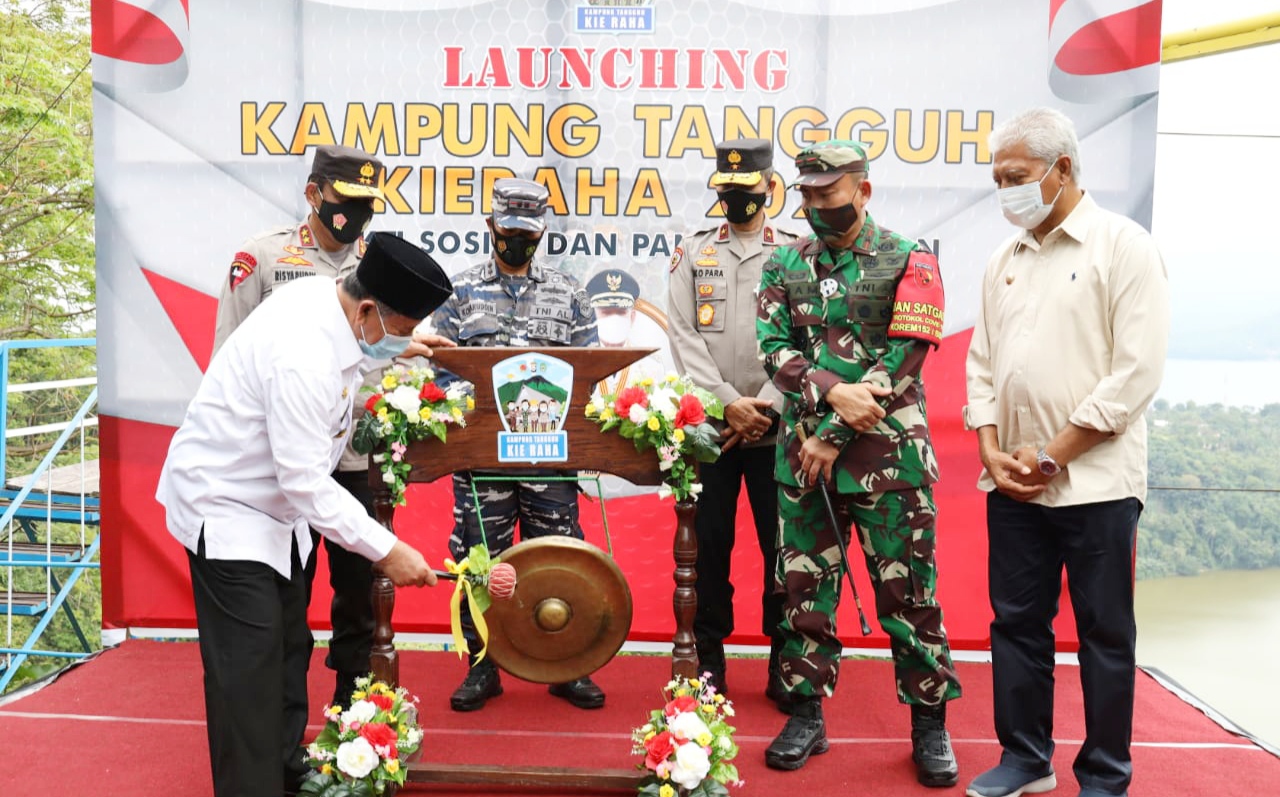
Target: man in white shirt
(248, 476)
(1067, 353)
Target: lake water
(1218, 635)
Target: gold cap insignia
(735, 159)
(366, 173)
(614, 281)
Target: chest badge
(709, 250)
(706, 314)
(706, 290)
(828, 288)
(294, 257)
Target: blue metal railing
(20, 507)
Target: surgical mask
(741, 206)
(514, 250)
(613, 329)
(832, 222)
(346, 221)
(386, 348)
(1024, 205)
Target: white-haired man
(1067, 352)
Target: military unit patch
(675, 258)
(241, 267)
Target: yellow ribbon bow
(463, 584)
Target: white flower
(725, 743)
(666, 401)
(390, 478)
(691, 765)
(405, 398)
(361, 710)
(413, 736)
(664, 491)
(456, 392)
(695, 489)
(687, 725)
(357, 758)
(379, 458)
(637, 414)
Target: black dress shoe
(482, 682)
(805, 734)
(583, 693)
(931, 746)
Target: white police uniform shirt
(252, 460)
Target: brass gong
(570, 613)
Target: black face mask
(741, 206)
(832, 222)
(515, 250)
(346, 221)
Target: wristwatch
(1048, 465)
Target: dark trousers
(716, 526)
(256, 647)
(351, 611)
(1029, 547)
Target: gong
(569, 615)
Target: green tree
(46, 255)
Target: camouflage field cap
(519, 205)
(613, 288)
(825, 162)
(741, 161)
(353, 173)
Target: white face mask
(1024, 205)
(613, 329)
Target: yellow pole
(1223, 38)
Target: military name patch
(709, 272)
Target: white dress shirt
(252, 460)
(1073, 330)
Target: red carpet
(131, 722)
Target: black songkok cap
(402, 276)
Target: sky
(1215, 217)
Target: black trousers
(1029, 547)
(351, 611)
(716, 526)
(256, 647)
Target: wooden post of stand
(474, 447)
(684, 652)
(384, 662)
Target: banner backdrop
(207, 115)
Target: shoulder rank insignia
(768, 234)
(675, 258)
(360, 247)
(294, 258)
(306, 237)
(242, 265)
(723, 234)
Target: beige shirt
(270, 260)
(711, 307)
(1073, 330)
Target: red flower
(384, 702)
(658, 749)
(372, 404)
(680, 705)
(629, 396)
(690, 412)
(431, 393)
(379, 734)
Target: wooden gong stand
(474, 447)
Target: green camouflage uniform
(823, 318)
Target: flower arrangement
(360, 752)
(668, 416)
(688, 743)
(406, 406)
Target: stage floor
(131, 722)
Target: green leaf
(366, 435)
(478, 558)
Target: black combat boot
(482, 682)
(775, 688)
(931, 746)
(582, 692)
(805, 734)
(711, 660)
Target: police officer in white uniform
(711, 303)
(247, 479)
